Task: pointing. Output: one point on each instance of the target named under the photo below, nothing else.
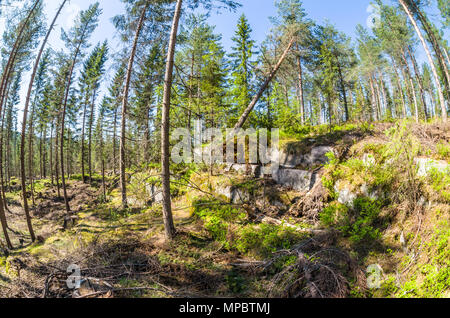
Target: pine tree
(242, 66)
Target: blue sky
(344, 14)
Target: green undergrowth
(230, 227)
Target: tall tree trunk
(399, 86)
(123, 178)
(419, 81)
(115, 144)
(83, 130)
(301, 97)
(41, 154)
(344, 92)
(63, 117)
(51, 156)
(373, 99)
(2, 163)
(56, 159)
(91, 121)
(165, 155)
(413, 89)
(255, 100)
(24, 125)
(430, 60)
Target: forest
(92, 204)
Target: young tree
(123, 180)
(77, 38)
(242, 65)
(93, 70)
(165, 154)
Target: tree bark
(165, 155)
(301, 96)
(83, 129)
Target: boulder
(234, 194)
(425, 165)
(299, 180)
(244, 169)
(347, 196)
(316, 157)
(155, 193)
(369, 160)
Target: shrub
(443, 150)
(331, 214)
(265, 239)
(440, 182)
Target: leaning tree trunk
(123, 178)
(24, 126)
(436, 46)
(430, 60)
(165, 156)
(255, 100)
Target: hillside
(373, 209)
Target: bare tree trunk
(436, 46)
(419, 81)
(373, 99)
(123, 178)
(301, 97)
(56, 159)
(41, 154)
(344, 93)
(63, 119)
(51, 156)
(91, 121)
(430, 60)
(413, 89)
(83, 129)
(255, 100)
(165, 155)
(24, 125)
(115, 143)
(2, 163)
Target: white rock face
(316, 157)
(299, 180)
(345, 195)
(255, 170)
(235, 195)
(425, 165)
(368, 160)
(155, 193)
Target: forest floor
(278, 243)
